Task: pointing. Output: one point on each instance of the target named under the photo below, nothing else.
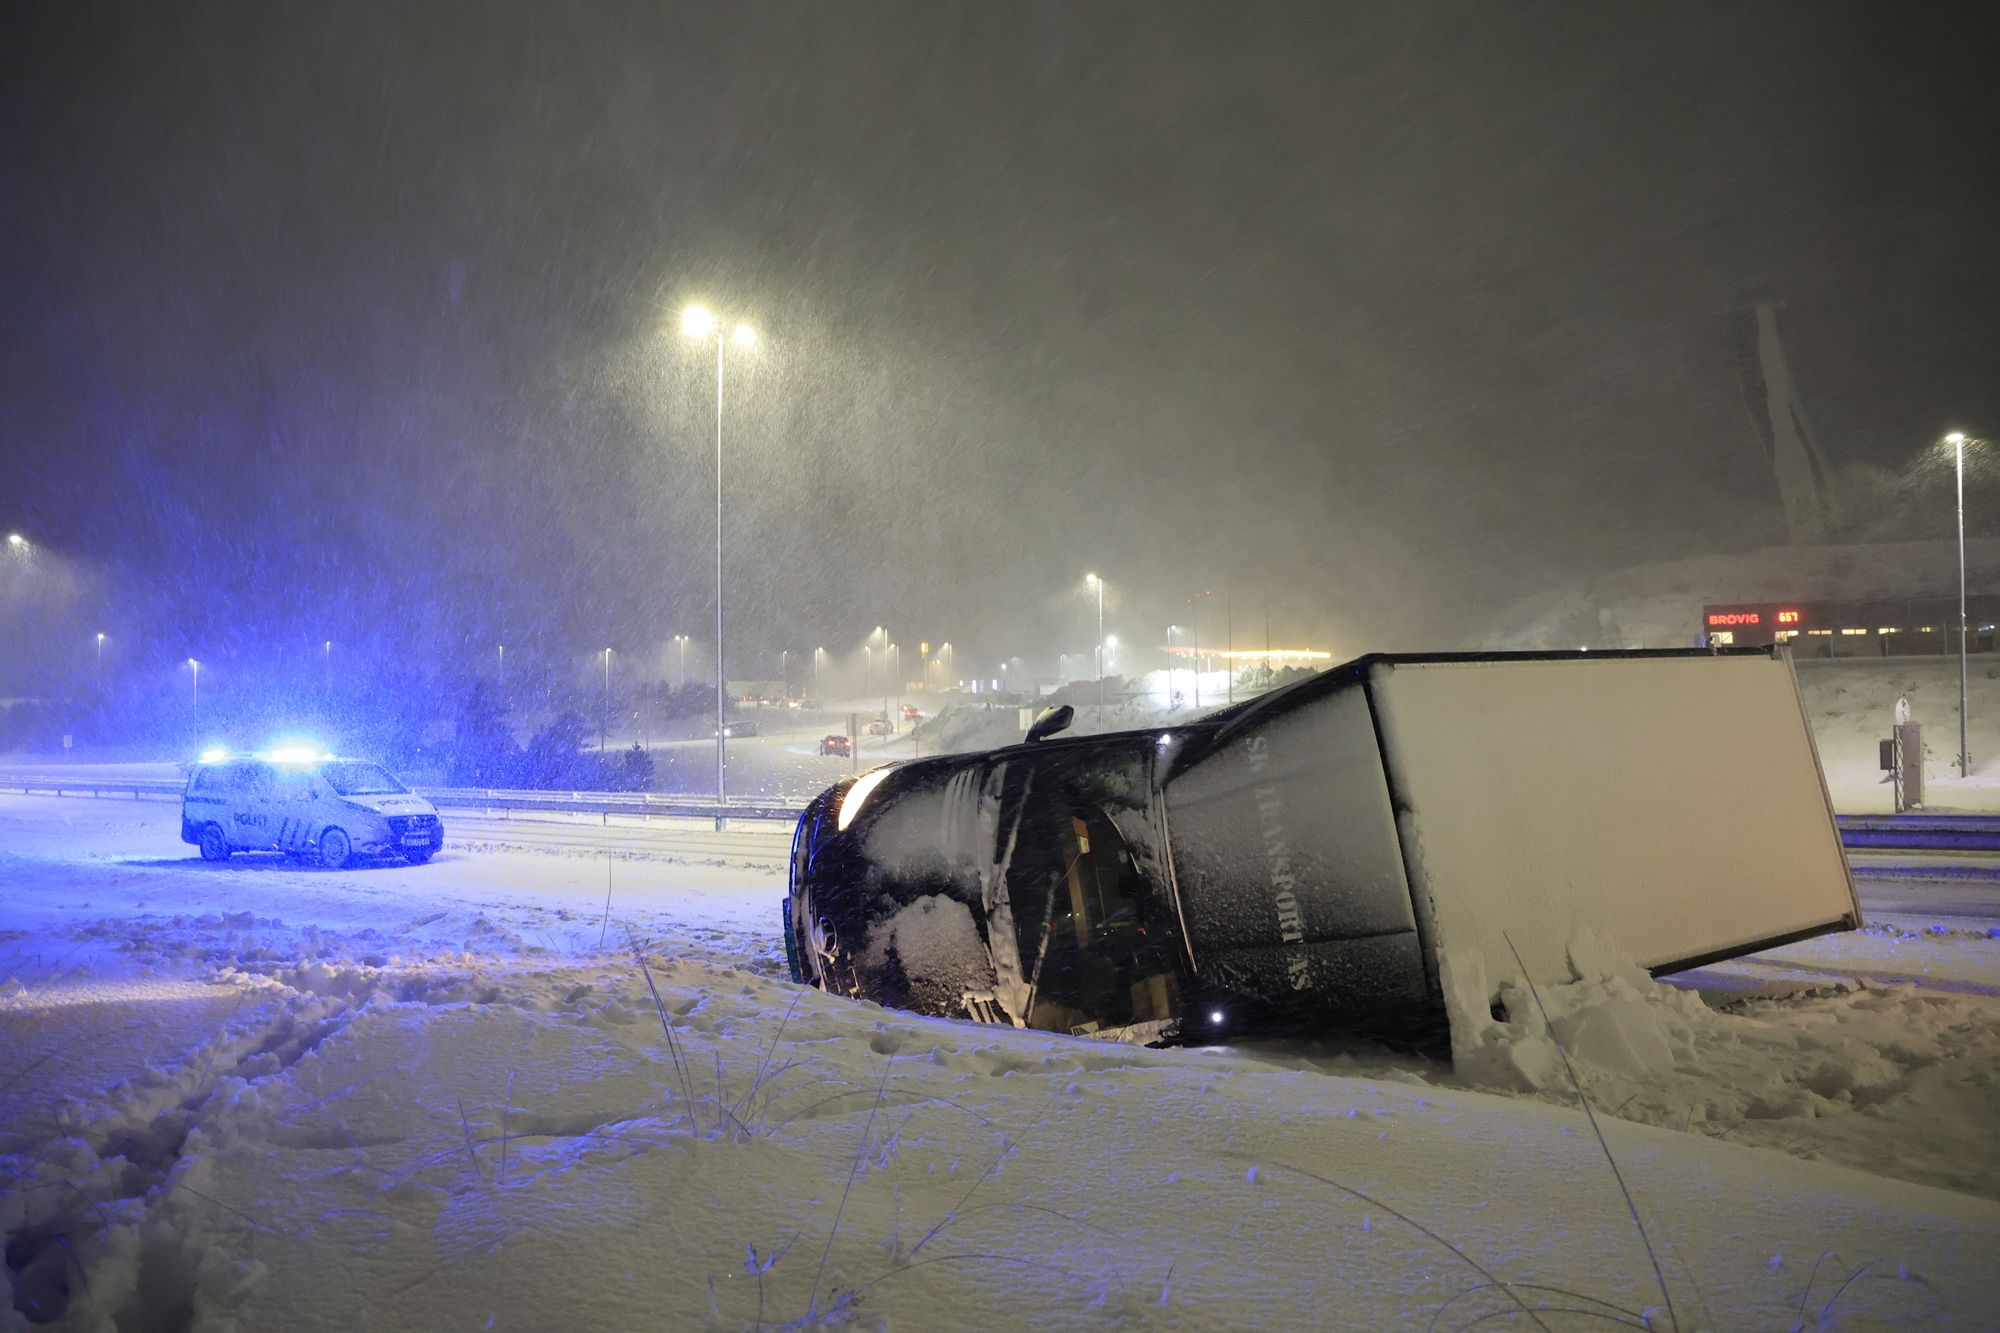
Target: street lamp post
(604, 712)
(1957, 442)
(196, 668)
(328, 690)
(100, 657)
(697, 322)
(819, 702)
(883, 635)
(1098, 584)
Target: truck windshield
(355, 779)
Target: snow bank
(1842, 1069)
(560, 1152)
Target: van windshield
(355, 779)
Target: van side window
(228, 780)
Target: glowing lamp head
(744, 336)
(1215, 1017)
(196, 665)
(697, 322)
(1091, 579)
(16, 539)
(1956, 437)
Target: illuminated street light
(196, 667)
(16, 540)
(699, 322)
(100, 657)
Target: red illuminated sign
(1788, 617)
(1738, 618)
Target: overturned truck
(1375, 849)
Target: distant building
(1878, 627)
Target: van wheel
(334, 848)
(214, 847)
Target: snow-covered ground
(1852, 703)
(469, 1094)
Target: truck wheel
(214, 847)
(335, 848)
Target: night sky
(361, 321)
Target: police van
(305, 804)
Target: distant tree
(689, 699)
(30, 724)
(483, 752)
(555, 758)
(633, 771)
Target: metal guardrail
(608, 803)
(1965, 833)
(449, 798)
(54, 785)
(1909, 832)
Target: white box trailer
(1382, 838)
(1673, 806)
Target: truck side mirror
(1051, 721)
